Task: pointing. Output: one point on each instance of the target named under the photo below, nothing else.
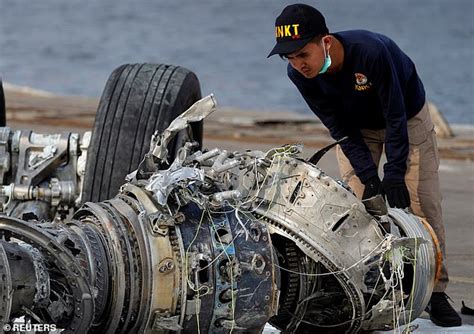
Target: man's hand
(372, 187)
(396, 192)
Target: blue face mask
(327, 62)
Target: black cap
(296, 26)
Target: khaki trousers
(421, 178)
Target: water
(71, 47)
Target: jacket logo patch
(362, 83)
(360, 79)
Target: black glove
(372, 187)
(396, 192)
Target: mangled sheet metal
(197, 112)
(220, 242)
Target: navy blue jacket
(377, 88)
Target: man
(361, 85)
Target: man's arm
(387, 84)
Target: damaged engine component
(215, 241)
(41, 174)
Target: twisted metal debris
(219, 242)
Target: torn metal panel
(197, 112)
(161, 184)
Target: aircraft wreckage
(194, 240)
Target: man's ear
(327, 41)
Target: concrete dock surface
(233, 129)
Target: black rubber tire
(3, 109)
(137, 100)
